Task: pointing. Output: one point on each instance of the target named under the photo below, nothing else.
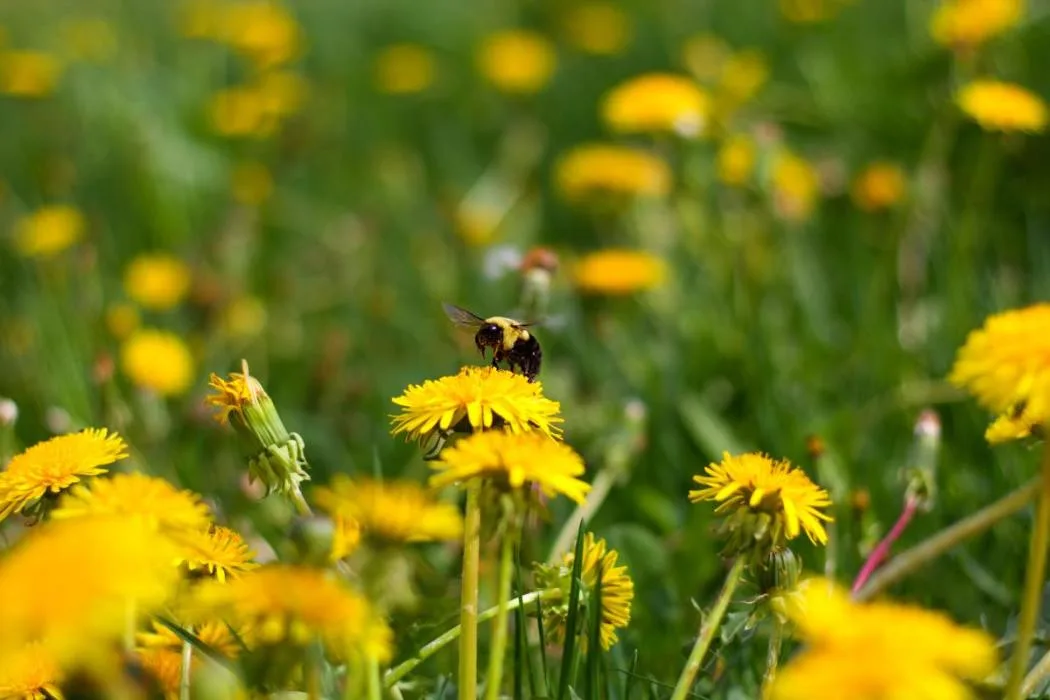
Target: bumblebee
(510, 340)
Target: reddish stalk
(882, 550)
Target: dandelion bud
(922, 474)
(8, 412)
(780, 571)
(537, 273)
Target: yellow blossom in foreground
(999, 106)
(404, 69)
(704, 56)
(606, 169)
(1005, 364)
(970, 23)
(122, 319)
(216, 552)
(48, 231)
(598, 27)
(617, 272)
(291, 604)
(516, 61)
(877, 651)
(657, 103)
(392, 511)
(158, 361)
(30, 673)
(262, 30)
(157, 281)
(28, 74)
(754, 483)
(151, 503)
(796, 187)
(483, 397)
(53, 465)
(251, 183)
(736, 160)
(513, 460)
(879, 186)
(75, 583)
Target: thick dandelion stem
(707, 630)
(375, 685)
(911, 560)
(301, 506)
(438, 643)
(187, 665)
(776, 640)
(1035, 575)
(468, 605)
(498, 652)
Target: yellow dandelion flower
(89, 39)
(283, 92)
(754, 483)
(657, 103)
(516, 61)
(48, 231)
(30, 673)
(157, 282)
(157, 361)
(122, 319)
(243, 317)
(217, 552)
(75, 583)
(404, 69)
(242, 111)
(215, 633)
(513, 460)
(796, 186)
(966, 24)
(1004, 364)
(736, 160)
(28, 74)
(483, 397)
(251, 183)
(857, 651)
(56, 464)
(743, 75)
(394, 511)
(879, 186)
(346, 537)
(149, 501)
(165, 667)
(597, 27)
(999, 106)
(617, 272)
(262, 30)
(617, 590)
(596, 170)
(234, 394)
(704, 56)
(284, 603)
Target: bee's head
(489, 335)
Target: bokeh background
(302, 184)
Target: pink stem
(882, 550)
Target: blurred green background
(315, 196)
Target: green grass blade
(196, 642)
(522, 657)
(545, 672)
(628, 681)
(569, 660)
(594, 648)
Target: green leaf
(569, 651)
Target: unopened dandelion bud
(922, 474)
(8, 412)
(780, 571)
(537, 273)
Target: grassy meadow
(766, 226)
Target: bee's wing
(462, 317)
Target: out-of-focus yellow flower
(216, 552)
(30, 673)
(390, 511)
(736, 160)
(483, 398)
(607, 169)
(657, 103)
(858, 651)
(404, 69)
(283, 92)
(296, 605)
(517, 61)
(964, 24)
(143, 501)
(48, 231)
(243, 317)
(879, 186)
(598, 27)
(515, 461)
(90, 39)
(616, 272)
(251, 183)
(704, 56)
(241, 112)
(215, 633)
(743, 75)
(753, 484)
(1003, 365)
(157, 281)
(76, 584)
(122, 319)
(163, 666)
(810, 11)
(201, 19)
(262, 30)
(346, 537)
(49, 467)
(158, 361)
(796, 186)
(28, 74)
(999, 106)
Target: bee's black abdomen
(526, 354)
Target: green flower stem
(498, 651)
(1036, 676)
(301, 506)
(435, 645)
(187, 665)
(708, 629)
(468, 605)
(776, 640)
(915, 558)
(1033, 584)
(374, 684)
(603, 483)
